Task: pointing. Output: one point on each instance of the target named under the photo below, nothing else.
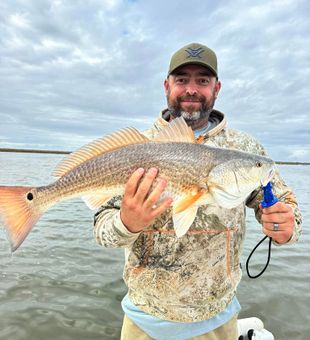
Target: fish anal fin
(176, 131)
(97, 147)
(95, 200)
(182, 221)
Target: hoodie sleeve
(284, 194)
(109, 231)
(246, 142)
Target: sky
(73, 71)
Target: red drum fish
(196, 174)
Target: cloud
(73, 71)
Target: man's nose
(191, 89)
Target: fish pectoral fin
(98, 147)
(95, 200)
(182, 221)
(176, 131)
(188, 200)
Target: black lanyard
(268, 201)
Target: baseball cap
(194, 53)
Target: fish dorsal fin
(98, 147)
(176, 131)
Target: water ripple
(61, 285)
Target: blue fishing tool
(269, 200)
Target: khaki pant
(228, 331)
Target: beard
(191, 115)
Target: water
(61, 285)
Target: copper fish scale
(182, 164)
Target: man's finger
(132, 184)
(164, 205)
(146, 184)
(280, 236)
(156, 193)
(274, 227)
(274, 218)
(279, 207)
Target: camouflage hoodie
(194, 277)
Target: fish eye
(30, 196)
(259, 164)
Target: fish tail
(19, 212)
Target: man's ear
(218, 86)
(166, 85)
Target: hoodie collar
(216, 116)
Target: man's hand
(281, 214)
(139, 206)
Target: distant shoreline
(35, 151)
(59, 152)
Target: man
(181, 288)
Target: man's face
(191, 92)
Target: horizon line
(64, 152)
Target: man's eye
(180, 80)
(204, 81)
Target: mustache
(191, 98)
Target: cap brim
(193, 63)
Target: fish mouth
(268, 178)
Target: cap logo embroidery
(194, 52)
